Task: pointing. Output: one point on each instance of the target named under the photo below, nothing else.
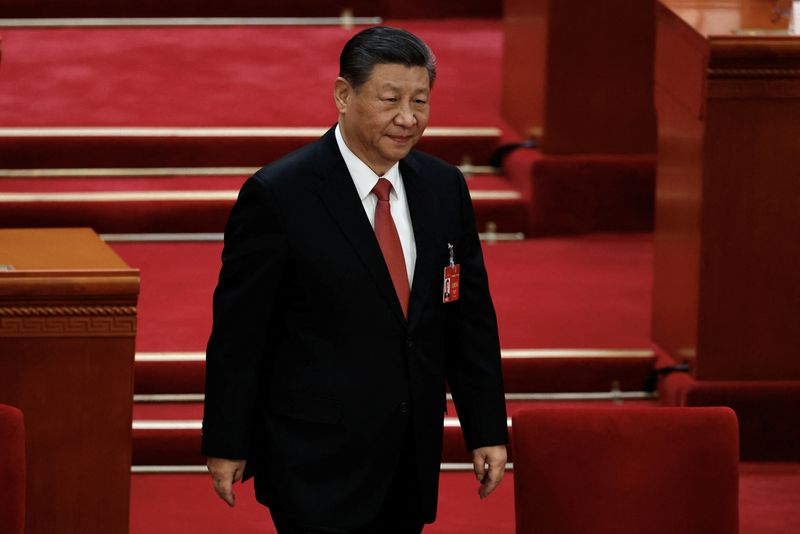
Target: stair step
(22, 148)
(529, 371)
(181, 203)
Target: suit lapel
(422, 205)
(339, 195)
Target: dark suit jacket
(313, 374)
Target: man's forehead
(396, 76)
(397, 87)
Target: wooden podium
(67, 328)
(727, 253)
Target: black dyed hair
(383, 44)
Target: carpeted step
(583, 292)
(169, 434)
(177, 442)
(225, 76)
(525, 372)
(499, 205)
(50, 147)
(181, 203)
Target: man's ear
(341, 94)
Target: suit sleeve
(474, 370)
(253, 260)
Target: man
(332, 335)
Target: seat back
(12, 471)
(626, 470)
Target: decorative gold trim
(193, 356)
(213, 237)
(202, 469)
(123, 196)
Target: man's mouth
(400, 138)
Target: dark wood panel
(580, 75)
(76, 396)
(750, 310)
(599, 85)
(524, 65)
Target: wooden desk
(726, 280)
(67, 327)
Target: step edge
(643, 353)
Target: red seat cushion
(626, 470)
(12, 470)
(767, 412)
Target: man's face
(385, 116)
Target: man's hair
(386, 45)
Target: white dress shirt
(365, 179)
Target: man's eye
(421, 102)
(390, 99)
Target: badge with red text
(451, 278)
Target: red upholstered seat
(767, 411)
(626, 470)
(12, 471)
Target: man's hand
(495, 458)
(225, 472)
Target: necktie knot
(382, 189)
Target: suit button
(403, 407)
(409, 344)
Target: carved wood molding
(32, 311)
(67, 321)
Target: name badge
(451, 275)
(451, 278)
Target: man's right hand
(225, 472)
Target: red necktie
(389, 241)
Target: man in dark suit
(333, 336)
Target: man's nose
(405, 117)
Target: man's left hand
(490, 464)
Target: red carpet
(769, 504)
(225, 76)
(769, 498)
(577, 292)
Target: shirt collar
(363, 177)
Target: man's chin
(398, 152)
